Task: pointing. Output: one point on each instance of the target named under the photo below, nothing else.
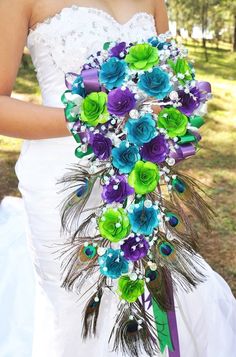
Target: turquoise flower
(155, 42)
(113, 264)
(78, 87)
(156, 83)
(142, 130)
(125, 156)
(112, 73)
(143, 219)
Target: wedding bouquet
(135, 110)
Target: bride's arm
(161, 17)
(18, 118)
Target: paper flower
(156, 83)
(112, 73)
(118, 51)
(125, 156)
(143, 219)
(142, 130)
(117, 189)
(94, 109)
(173, 121)
(189, 101)
(182, 69)
(78, 87)
(135, 248)
(114, 224)
(101, 146)
(113, 264)
(144, 177)
(155, 150)
(142, 57)
(155, 42)
(130, 290)
(120, 102)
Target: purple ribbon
(196, 134)
(90, 79)
(171, 315)
(205, 89)
(173, 326)
(184, 151)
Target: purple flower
(117, 189)
(118, 50)
(101, 146)
(135, 248)
(189, 101)
(120, 102)
(155, 150)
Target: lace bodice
(62, 43)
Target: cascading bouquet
(134, 110)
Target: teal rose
(112, 73)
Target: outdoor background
(208, 28)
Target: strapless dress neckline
(102, 13)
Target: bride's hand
(18, 118)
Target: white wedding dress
(206, 317)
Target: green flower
(144, 177)
(114, 224)
(173, 121)
(182, 69)
(130, 290)
(94, 110)
(142, 57)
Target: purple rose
(101, 146)
(120, 102)
(117, 189)
(189, 101)
(135, 248)
(118, 50)
(155, 150)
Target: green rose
(94, 110)
(173, 121)
(142, 57)
(114, 224)
(130, 290)
(182, 69)
(144, 177)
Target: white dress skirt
(206, 317)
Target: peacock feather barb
(131, 217)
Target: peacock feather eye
(173, 219)
(151, 274)
(82, 189)
(90, 251)
(166, 249)
(132, 326)
(179, 185)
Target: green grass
(26, 82)
(215, 164)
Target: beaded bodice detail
(62, 43)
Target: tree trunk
(204, 20)
(234, 36)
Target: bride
(60, 35)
